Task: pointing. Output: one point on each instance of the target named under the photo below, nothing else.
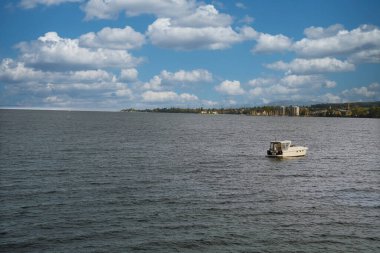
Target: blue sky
(114, 54)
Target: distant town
(357, 109)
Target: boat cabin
(280, 145)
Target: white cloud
(320, 32)
(358, 45)
(104, 9)
(319, 65)
(204, 16)
(289, 88)
(113, 38)
(187, 97)
(370, 56)
(60, 88)
(329, 98)
(329, 84)
(267, 43)
(11, 71)
(276, 91)
(307, 81)
(230, 88)
(129, 74)
(257, 91)
(180, 24)
(53, 99)
(261, 81)
(29, 4)
(123, 91)
(299, 80)
(279, 89)
(374, 86)
(51, 52)
(171, 78)
(167, 96)
(88, 75)
(164, 33)
(240, 5)
(338, 42)
(153, 84)
(363, 93)
(197, 75)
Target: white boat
(282, 149)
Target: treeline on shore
(356, 109)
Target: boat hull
(294, 152)
(284, 156)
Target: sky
(115, 54)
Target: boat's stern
(274, 153)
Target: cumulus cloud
(267, 43)
(320, 32)
(51, 52)
(113, 38)
(29, 4)
(329, 84)
(12, 71)
(329, 98)
(89, 75)
(363, 93)
(104, 9)
(153, 84)
(197, 75)
(165, 34)
(129, 74)
(228, 87)
(357, 46)
(61, 88)
(299, 80)
(261, 81)
(167, 96)
(289, 88)
(370, 56)
(318, 65)
(337, 41)
(181, 76)
(180, 24)
(257, 91)
(204, 16)
(307, 81)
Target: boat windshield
(279, 145)
(275, 146)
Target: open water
(150, 182)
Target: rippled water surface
(146, 182)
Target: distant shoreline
(337, 110)
(347, 110)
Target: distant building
(295, 111)
(282, 112)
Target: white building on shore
(295, 111)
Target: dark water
(125, 182)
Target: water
(145, 182)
